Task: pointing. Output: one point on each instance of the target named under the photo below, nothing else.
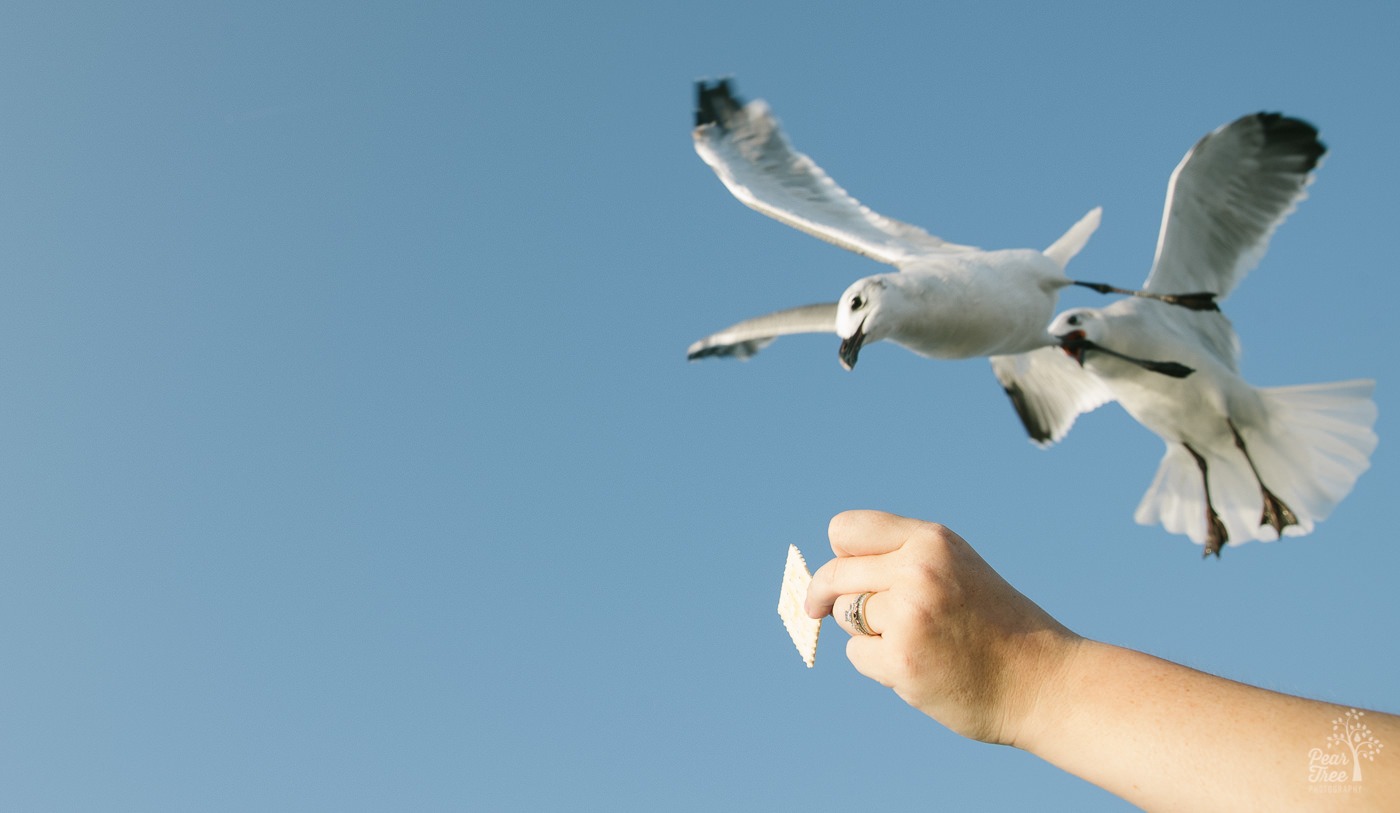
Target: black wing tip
(1039, 433)
(1292, 135)
(738, 350)
(715, 102)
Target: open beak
(850, 348)
(1073, 344)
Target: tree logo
(1339, 765)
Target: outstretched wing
(752, 335)
(745, 147)
(1226, 197)
(1049, 390)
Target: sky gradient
(350, 455)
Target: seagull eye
(1074, 320)
(857, 302)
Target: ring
(856, 614)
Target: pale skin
(957, 642)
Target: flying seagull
(1242, 462)
(946, 301)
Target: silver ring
(856, 615)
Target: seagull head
(1075, 330)
(858, 318)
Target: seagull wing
(1226, 197)
(1049, 390)
(745, 147)
(752, 335)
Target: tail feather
(1314, 444)
(1319, 442)
(1074, 240)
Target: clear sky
(350, 459)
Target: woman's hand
(950, 636)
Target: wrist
(1049, 693)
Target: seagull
(1242, 462)
(945, 301)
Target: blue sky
(350, 456)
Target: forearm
(1166, 737)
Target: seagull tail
(1313, 444)
(1318, 442)
(1070, 244)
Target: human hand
(949, 635)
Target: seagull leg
(1198, 301)
(1276, 513)
(1216, 534)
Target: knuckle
(933, 549)
(936, 536)
(906, 668)
(923, 574)
(912, 619)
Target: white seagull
(946, 301)
(1242, 462)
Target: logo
(1337, 768)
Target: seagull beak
(850, 348)
(1073, 345)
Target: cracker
(791, 599)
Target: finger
(865, 533)
(848, 608)
(869, 655)
(841, 576)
